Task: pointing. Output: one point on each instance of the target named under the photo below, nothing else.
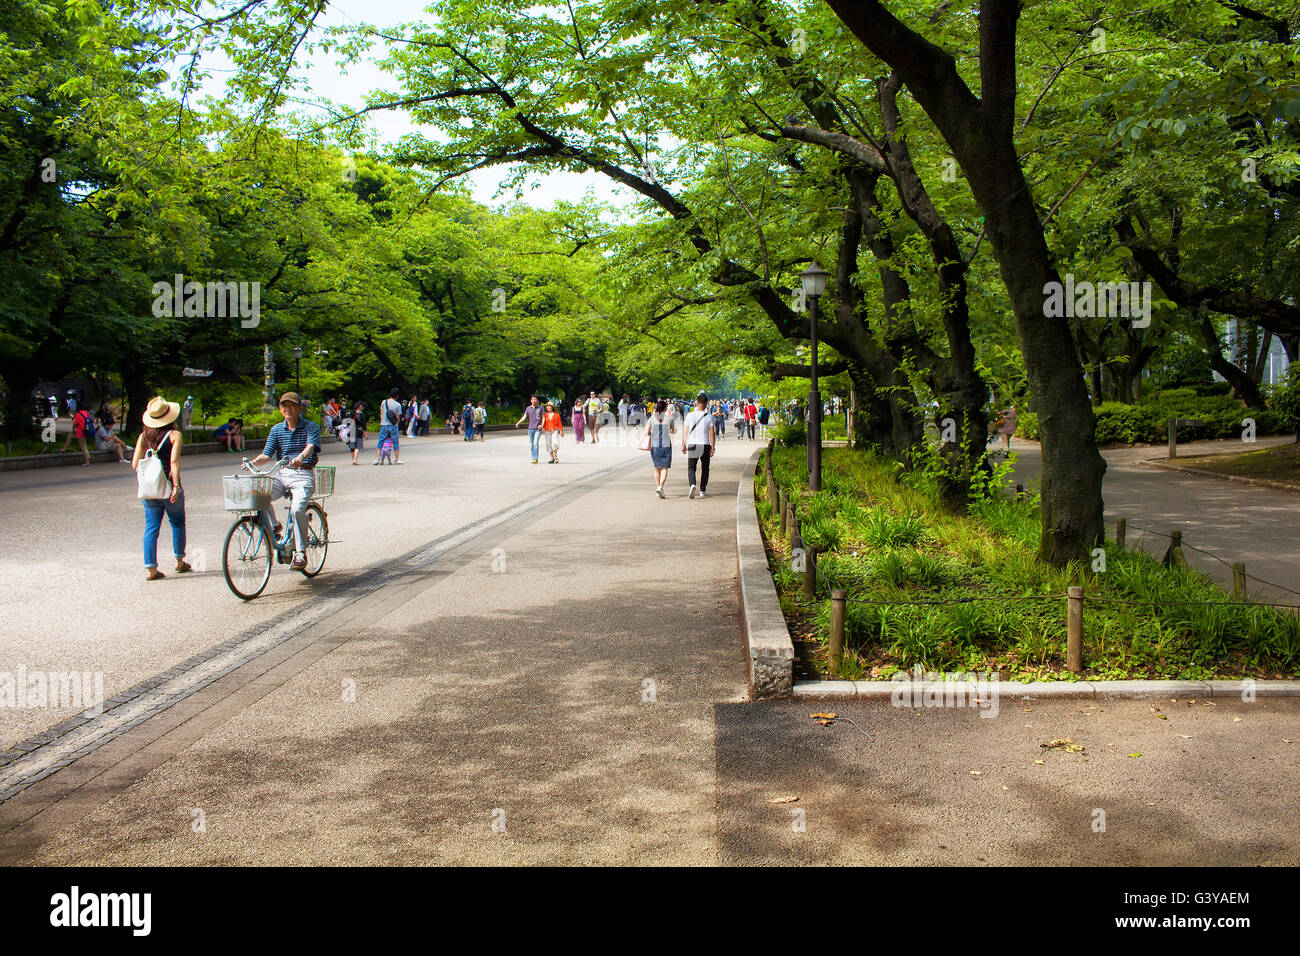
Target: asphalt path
(567, 686)
(1227, 521)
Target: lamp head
(814, 280)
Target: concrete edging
(770, 652)
(1089, 690)
(1239, 479)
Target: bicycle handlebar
(271, 471)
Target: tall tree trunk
(981, 135)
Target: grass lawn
(888, 540)
(1274, 464)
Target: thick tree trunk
(19, 382)
(980, 133)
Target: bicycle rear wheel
(318, 539)
(246, 560)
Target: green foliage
(992, 605)
(1147, 422)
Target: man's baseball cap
(291, 397)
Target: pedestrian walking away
(553, 427)
(297, 439)
(533, 416)
(480, 421)
(467, 420)
(698, 445)
(390, 415)
(157, 465)
(658, 440)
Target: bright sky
(322, 74)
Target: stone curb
(1239, 479)
(1117, 689)
(769, 650)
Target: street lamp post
(814, 284)
(297, 369)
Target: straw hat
(161, 412)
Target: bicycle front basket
(247, 492)
(324, 481)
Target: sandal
(153, 574)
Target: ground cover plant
(988, 602)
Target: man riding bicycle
(298, 439)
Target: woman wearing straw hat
(160, 436)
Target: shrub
(790, 434)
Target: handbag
(644, 443)
(151, 478)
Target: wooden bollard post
(838, 597)
(1239, 580)
(771, 489)
(1173, 438)
(1174, 556)
(1121, 530)
(783, 507)
(810, 573)
(1074, 630)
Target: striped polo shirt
(281, 442)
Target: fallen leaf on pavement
(1068, 744)
(1162, 716)
(977, 773)
(825, 723)
(783, 800)
(1236, 720)
(823, 716)
(1136, 753)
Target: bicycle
(251, 541)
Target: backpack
(86, 422)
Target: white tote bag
(151, 477)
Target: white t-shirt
(697, 431)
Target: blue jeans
(468, 429)
(388, 431)
(154, 509)
(534, 437)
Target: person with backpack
(390, 417)
(467, 420)
(83, 429)
(157, 466)
(698, 444)
(480, 421)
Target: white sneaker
(660, 491)
(701, 495)
(693, 491)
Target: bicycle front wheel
(246, 560)
(318, 539)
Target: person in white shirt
(698, 444)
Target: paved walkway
(509, 663)
(1229, 520)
